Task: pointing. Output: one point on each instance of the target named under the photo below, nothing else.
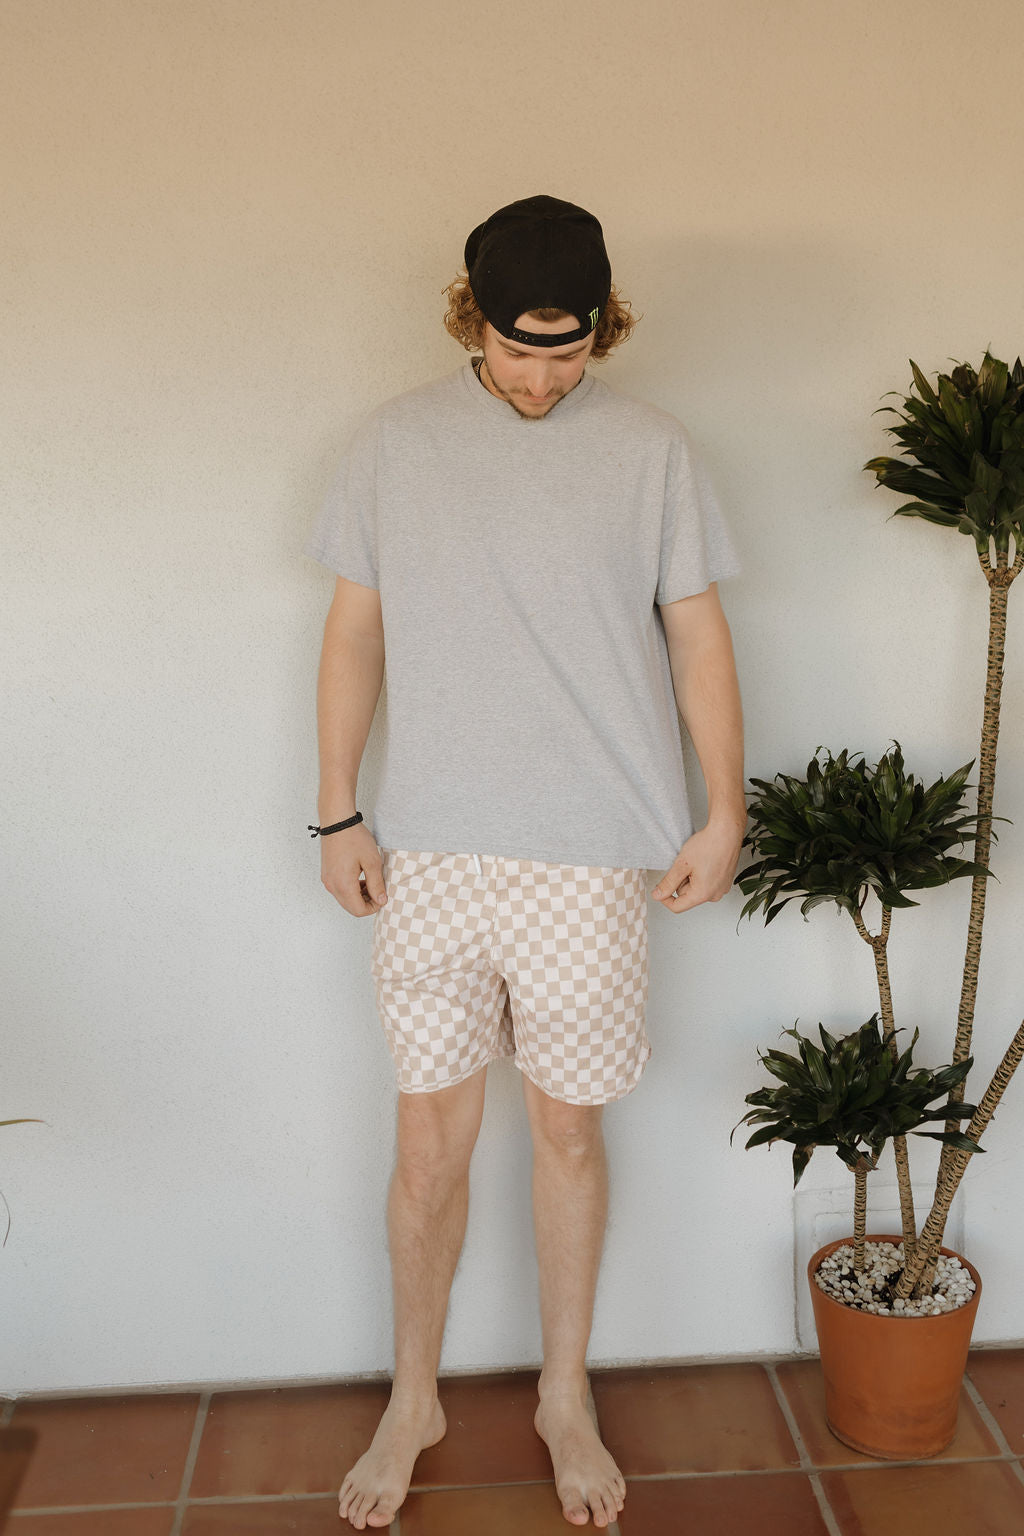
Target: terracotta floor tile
(106, 1450)
(782, 1504)
(280, 1517)
(980, 1497)
(694, 1418)
(998, 1375)
(95, 1522)
(802, 1382)
(490, 1438)
(532, 1510)
(285, 1439)
(17, 1446)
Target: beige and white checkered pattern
(478, 956)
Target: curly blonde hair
(464, 319)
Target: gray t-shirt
(530, 710)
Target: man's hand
(344, 858)
(704, 869)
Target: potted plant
(862, 838)
(963, 443)
(853, 1094)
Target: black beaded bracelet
(339, 826)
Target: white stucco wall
(227, 226)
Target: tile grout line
(85, 1509)
(806, 1464)
(213, 1501)
(257, 1499)
(676, 1477)
(181, 1504)
(993, 1426)
(987, 1416)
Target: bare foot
(586, 1478)
(379, 1481)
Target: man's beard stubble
(510, 399)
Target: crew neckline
(501, 409)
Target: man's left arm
(708, 698)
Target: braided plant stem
(877, 943)
(919, 1274)
(860, 1216)
(999, 578)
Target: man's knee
(437, 1133)
(572, 1131)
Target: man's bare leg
(570, 1207)
(427, 1205)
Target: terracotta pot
(892, 1384)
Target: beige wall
(227, 224)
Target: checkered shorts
(477, 956)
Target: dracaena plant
(846, 832)
(852, 1094)
(962, 465)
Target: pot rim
(814, 1263)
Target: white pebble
(859, 1289)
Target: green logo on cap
(595, 315)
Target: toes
(575, 1510)
(382, 1514)
(611, 1508)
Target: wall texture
(227, 227)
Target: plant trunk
(998, 592)
(919, 1275)
(999, 578)
(878, 944)
(860, 1217)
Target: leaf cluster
(853, 1094)
(847, 829)
(964, 452)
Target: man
(537, 557)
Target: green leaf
(956, 1110)
(766, 1133)
(952, 1139)
(924, 389)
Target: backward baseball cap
(539, 253)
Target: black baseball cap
(539, 253)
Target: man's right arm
(348, 687)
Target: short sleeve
(696, 548)
(345, 535)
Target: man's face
(533, 379)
